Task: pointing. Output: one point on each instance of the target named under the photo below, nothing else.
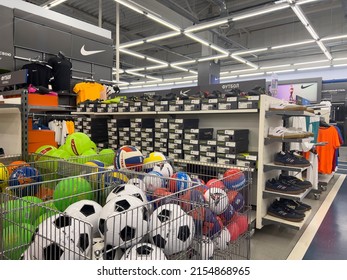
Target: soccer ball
(222, 241)
(144, 251)
(86, 210)
(138, 183)
(234, 179)
(123, 221)
(100, 252)
(164, 168)
(206, 222)
(171, 229)
(217, 200)
(128, 157)
(129, 189)
(60, 237)
(179, 182)
(153, 180)
(25, 181)
(203, 248)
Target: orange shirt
(86, 91)
(326, 154)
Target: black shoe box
(175, 153)
(90, 108)
(248, 102)
(209, 157)
(121, 123)
(162, 106)
(232, 134)
(251, 158)
(162, 150)
(158, 144)
(190, 147)
(232, 147)
(124, 129)
(192, 152)
(122, 134)
(229, 161)
(161, 133)
(135, 106)
(184, 123)
(134, 133)
(148, 139)
(192, 105)
(209, 104)
(161, 123)
(176, 105)
(172, 146)
(112, 142)
(112, 108)
(142, 123)
(228, 103)
(176, 134)
(148, 106)
(147, 133)
(161, 140)
(114, 146)
(135, 143)
(123, 107)
(191, 157)
(101, 108)
(81, 108)
(147, 150)
(146, 144)
(208, 148)
(123, 142)
(200, 133)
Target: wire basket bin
(152, 211)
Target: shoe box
(86, 123)
(198, 133)
(232, 134)
(249, 158)
(101, 108)
(208, 146)
(135, 132)
(79, 124)
(228, 103)
(112, 108)
(92, 107)
(161, 123)
(191, 157)
(161, 133)
(192, 105)
(123, 107)
(142, 123)
(103, 145)
(175, 134)
(226, 159)
(190, 145)
(175, 144)
(161, 106)
(158, 144)
(183, 123)
(175, 153)
(209, 104)
(135, 106)
(81, 107)
(148, 106)
(227, 147)
(209, 157)
(248, 102)
(176, 105)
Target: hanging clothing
(87, 91)
(61, 71)
(300, 124)
(60, 130)
(312, 170)
(327, 153)
(39, 74)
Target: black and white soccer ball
(102, 252)
(164, 168)
(138, 183)
(222, 241)
(86, 210)
(127, 189)
(123, 221)
(144, 251)
(171, 229)
(203, 248)
(60, 237)
(217, 200)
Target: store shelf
(3, 107)
(267, 219)
(125, 113)
(235, 111)
(267, 194)
(272, 166)
(46, 108)
(289, 113)
(269, 140)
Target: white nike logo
(184, 92)
(86, 53)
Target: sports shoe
(296, 181)
(233, 92)
(286, 107)
(295, 205)
(256, 91)
(276, 186)
(285, 133)
(289, 159)
(169, 97)
(281, 211)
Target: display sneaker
(169, 97)
(286, 107)
(286, 133)
(298, 206)
(296, 181)
(281, 211)
(289, 159)
(276, 186)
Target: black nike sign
(303, 87)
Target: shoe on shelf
(232, 93)
(287, 107)
(169, 97)
(197, 95)
(289, 159)
(296, 181)
(286, 133)
(276, 186)
(295, 205)
(279, 210)
(256, 91)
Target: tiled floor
(274, 242)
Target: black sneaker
(257, 91)
(295, 205)
(289, 159)
(281, 211)
(232, 93)
(183, 94)
(169, 97)
(296, 181)
(276, 186)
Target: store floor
(275, 242)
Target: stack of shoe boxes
(148, 106)
(142, 134)
(231, 142)
(98, 130)
(112, 133)
(209, 104)
(79, 124)
(176, 105)
(123, 127)
(161, 135)
(176, 135)
(191, 144)
(161, 106)
(102, 108)
(112, 108)
(135, 106)
(123, 107)
(208, 149)
(192, 105)
(87, 126)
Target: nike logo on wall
(86, 53)
(303, 87)
(184, 92)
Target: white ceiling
(266, 31)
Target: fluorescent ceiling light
(146, 86)
(334, 37)
(120, 82)
(241, 71)
(163, 22)
(53, 4)
(340, 58)
(197, 39)
(184, 62)
(132, 53)
(250, 51)
(184, 82)
(227, 77)
(293, 44)
(130, 6)
(207, 25)
(224, 73)
(131, 44)
(253, 74)
(280, 71)
(156, 67)
(310, 62)
(218, 49)
(153, 78)
(212, 57)
(164, 36)
(179, 68)
(137, 69)
(189, 77)
(313, 68)
(135, 74)
(312, 32)
(138, 83)
(274, 66)
(165, 84)
(262, 11)
(324, 50)
(340, 65)
(302, 2)
(172, 79)
(193, 72)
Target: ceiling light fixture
(197, 39)
(163, 22)
(132, 44)
(293, 44)
(274, 66)
(152, 78)
(310, 62)
(250, 51)
(262, 11)
(207, 25)
(334, 37)
(193, 72)
(253, 74)
(135, 74)
(130, 6)
(53, 3)
(179, 68)
(132, 53)
(219, 49)
(183, 82)
(227, 77)
(157, 67)
(163, 36)
(340, 58)
(280, 71)
(184, 62)
(212, 57)
(312, 68)
(340, 65)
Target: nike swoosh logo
(86, 53)
(303, 87)
(183, 92)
